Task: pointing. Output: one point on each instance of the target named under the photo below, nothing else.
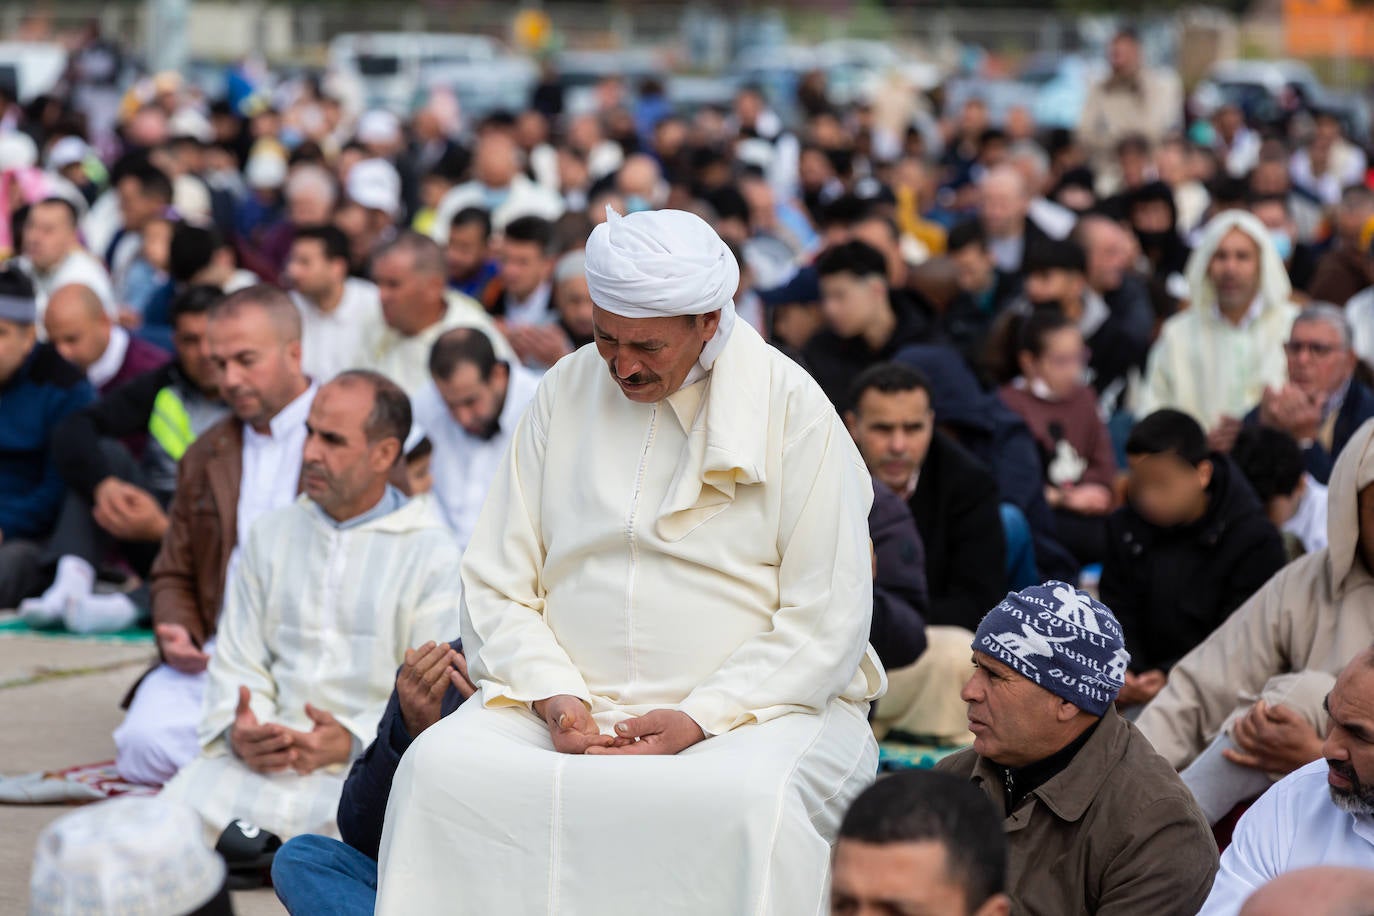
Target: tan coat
(1149, 105)
(1116, 832)
(1315, 614)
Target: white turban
(659, 263)
(662, 263)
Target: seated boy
(1191, 545)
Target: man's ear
(1066, 711)
(1205, 469)
(851, 422)
(384, 455)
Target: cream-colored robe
(405, 360)
(1202, 364)
(707, 553)
(321, 615)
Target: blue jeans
(318, 876)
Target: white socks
(102, 614)
(71, 600)
(73, 584)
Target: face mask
(1152, 241)
(1283, 242)
(636, 204)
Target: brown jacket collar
(1071, 792)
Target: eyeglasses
(1318, 350)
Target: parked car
(396, 68)
(1272, 91)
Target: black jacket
(836, 361)
(898, 632)
(123, 412)
(1171, 587)
(955, 508)
(967, 323)
(362, 806)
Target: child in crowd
(1190, 546)
(1061, 411)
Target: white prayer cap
(67, 151)
(378, 126)
(659, 263)
(266, 169)
(191, 124)
(128, 855)
(572, 264)
(17, 151)
(191, 198)
(374, 184)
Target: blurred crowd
(1129, 356)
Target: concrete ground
(59, 704)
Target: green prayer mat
(15, 626)
(897, 755)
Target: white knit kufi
(129, 855)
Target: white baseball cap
(67, 151)
(374, 184)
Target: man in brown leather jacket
(245, 465)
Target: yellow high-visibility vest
(170, 424)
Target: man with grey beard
(1322, 814)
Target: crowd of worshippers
(260, 375)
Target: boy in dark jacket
(1188, 548)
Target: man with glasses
(1322, 404)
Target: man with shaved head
(1319, 891)
(84, 334)
(241, 468)
(1004, 212)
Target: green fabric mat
(896, 755)
(14, 626)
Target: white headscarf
(662, 263)
(1275, 287)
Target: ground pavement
(59, 704)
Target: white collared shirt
(111, 361)
(272, 462)
(463, 464)
(1293, 825)
(533, 309)
(334, 341)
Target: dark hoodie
(1171, 587)
(999, 438)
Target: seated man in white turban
(666, 611)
